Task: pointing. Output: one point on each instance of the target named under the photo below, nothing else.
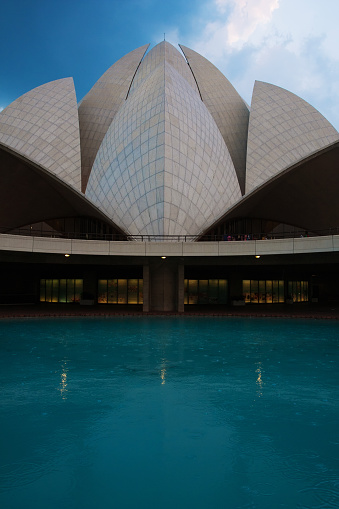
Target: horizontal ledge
(169, 249)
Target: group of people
(238, 237)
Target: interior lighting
(257, 256)
(163, 257)
(67, 255)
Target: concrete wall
(327, 243)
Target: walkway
(278, 311)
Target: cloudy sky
(290, 43)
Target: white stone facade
(227, 108)
(43, 126)
(98, 108)
(163, 144)
(283, 129)
(163, 168)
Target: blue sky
(290, 43)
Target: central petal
(163, 167)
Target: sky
(293, 44)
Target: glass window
(281, 291)
(112, 297)
(203, 291)
(305, 291)
(213, 291)
(132, 291)
(275, 291)
(254, 291)
(193, 291)
(262, 292)
(185, 291)
(122, 291)
(298, 291)
(62, 290)
(48, 290)
(141, 291)
(222, 291)
(42, 290)
(55, 290)
(269, 298)
(102, 291)
(70, 290)
(246, 290)
(78, 290)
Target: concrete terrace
(327, 243)
(305, 310)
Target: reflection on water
(259, 381)
(240, 420)
(63, 383)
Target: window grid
(270, 291)
(206, 291)
(61, 290)
(120, 291)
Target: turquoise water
(138, 412)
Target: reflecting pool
(148, 412)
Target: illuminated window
(298, 291)
(120, 291)
(205, 291)
(263, 291)
(61, 290)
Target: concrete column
(163, 285)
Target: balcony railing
(115, 237)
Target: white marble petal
(98, 108)
(228, 109)
(43, 126)
(163, 167)
(283, 128)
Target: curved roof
(98, 108)
(163, 143)
(163, 167)
(228, 109)
(43, 126)
(283, 129)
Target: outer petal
(228, 109)
(100, 105)
(283, 129)
(43, 126)
(163, 167)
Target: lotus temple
(163, 189)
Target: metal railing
(116, 237)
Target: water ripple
(14, 475)
(326, 492)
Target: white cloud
(245, 17)
(290, 43)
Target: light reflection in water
(163, 371)
(63, 383)
(259, 380)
